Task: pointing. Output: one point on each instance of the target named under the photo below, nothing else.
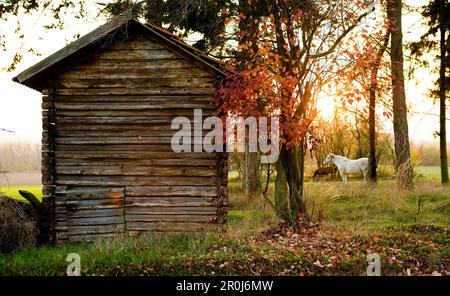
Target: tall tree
(437, 12)
(375, 67)
(205, 17)
(248, 27)
(403, 164)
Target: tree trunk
(403, 165)
(372, 136)
(442, 90)
(281, 193)
(245, 173)
(291, 163)
(372, 109)
(254, 172)
(251, 180)
(251, 174)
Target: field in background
(433, 172)
(13, 191)
(15, 180)
(20, 178)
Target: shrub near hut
(17, 228)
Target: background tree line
(20, 156)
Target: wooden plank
(168, 171)
(135, 73)
(210, 163)
(80, 128)
(95, 229)
(170, 218)
(135, 42)
(110, 148)
(73, 237)
(170, 226)
(113, 140)
(149, 105)
(137, 54)
(61, 236)
(132, 210)
(170, 201)
(132, 99)
(127, 64)
(88, 221)
(171, 190)
(60, 208)
(171, 90)
(89, 170)
(114, 120)
(96, 213)
(87, 154)
(93, 131)
(106, 203)
(86, 193)
(135, 171)
(150, 113)
(106, 134)
(183, 81)
(139, 180)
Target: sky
(20, 107)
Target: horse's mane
(340, 156)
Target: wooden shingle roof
(36, 76)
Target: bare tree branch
(5, 130)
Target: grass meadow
(409, 229)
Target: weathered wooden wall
(107, 159)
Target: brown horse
(325, 171)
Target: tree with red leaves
(293, 53)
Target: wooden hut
(108, 102)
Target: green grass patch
(431, 172)
(171, 254)
(366, 214)
(13, 191)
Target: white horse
(348, 166)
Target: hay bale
(17, 227)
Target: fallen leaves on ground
(331, 252)
(309, 249)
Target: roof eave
(32, 77)
(51, 61)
